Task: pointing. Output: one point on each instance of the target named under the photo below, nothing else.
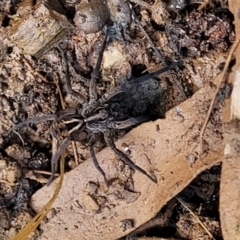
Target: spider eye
(153, 84)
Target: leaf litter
(27, 90)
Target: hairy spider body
(119, 108)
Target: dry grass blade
(196, 217)
(45, 172)
(33, 224)
(59, 92)
(75, 153)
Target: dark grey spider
(98, 116)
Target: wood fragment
(47, 26)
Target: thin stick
(196, 217)
(223, 76)
(45, 172)
(3, 123)
(36, 73)
(74, 146)
(59, 92)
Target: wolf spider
(93, 119)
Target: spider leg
(55, 158)
(94, 158)
(127, 123)
(80, 98)
(77, 127)
(48, 117)
(96, 164)
(103, 114)
(68, 112)
(108, 139)
(117, 90)
(95, 73)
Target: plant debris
(63, 44)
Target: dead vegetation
(191, 143)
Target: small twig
(36, 73)
(222, 76)
(75, 153)
(45, 172)
(56, 81)
(196, 217)
(6, 125)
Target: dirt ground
(46, 43)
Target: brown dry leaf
(159, 147)
(230, 183)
